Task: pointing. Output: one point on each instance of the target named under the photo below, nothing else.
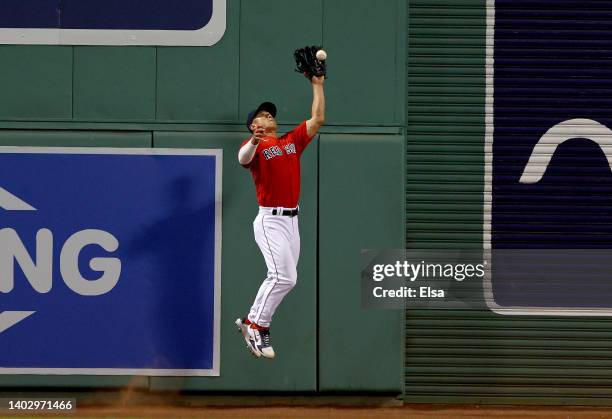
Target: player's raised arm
(311, 62)
(318, 106)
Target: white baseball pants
(278, 238)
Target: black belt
(289, 213)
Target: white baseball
(321, 55)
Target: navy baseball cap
(265, 106)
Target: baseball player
(274, 163)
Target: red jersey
(276, 168)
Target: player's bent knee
(288, 280)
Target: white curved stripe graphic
(9, 319)
(10, 202)
(572, 128)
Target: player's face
(266, 120)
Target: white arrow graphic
(572, 128)
(11, 318)
(10, 202)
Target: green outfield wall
(198, 97)
(400, 162)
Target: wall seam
(317, 247)
(155, 88)
(72, 93)
(239, 59)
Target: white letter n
(39, 274)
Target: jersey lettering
(270, 153)
(290, 148)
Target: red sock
(258, 327)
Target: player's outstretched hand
(307, 63)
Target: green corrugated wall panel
(243, 269)
(465, 354)
(114, 83)
(445, 130)
(446, 4)
(201, 84)
(36, 82)
(74, 139)
(360, 207)
(356, 28)
(270, 30)
(513, 400)
(475, 356)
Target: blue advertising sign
(110, 261)
(548, 182)
(112, 22)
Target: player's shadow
(175, 248)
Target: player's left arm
(318, 107)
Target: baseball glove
(306, 62)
